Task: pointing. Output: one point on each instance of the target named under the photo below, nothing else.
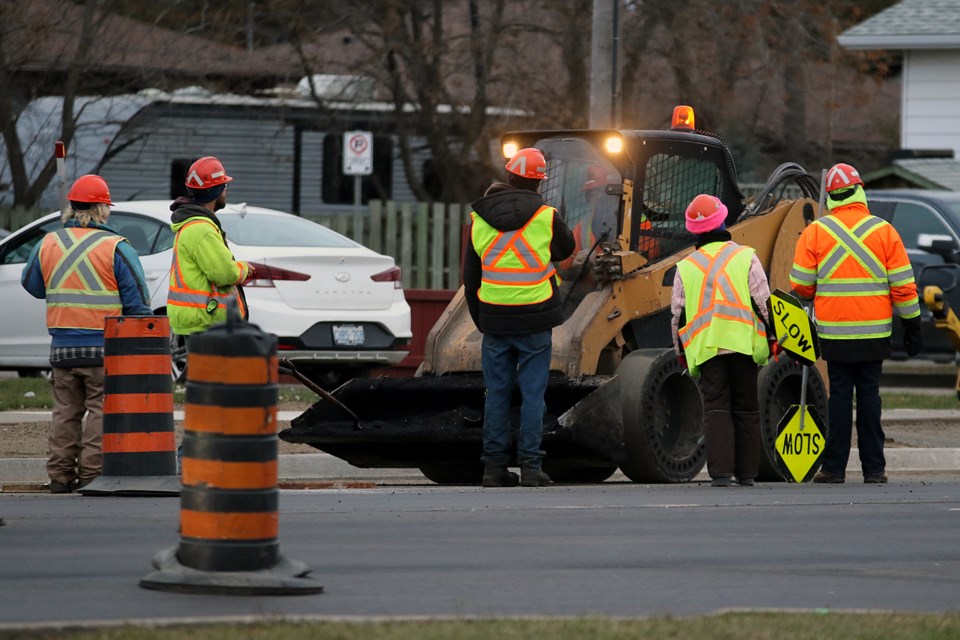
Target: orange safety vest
(81, 287)
(856, 266)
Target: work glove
(912, 336)
(775, 349)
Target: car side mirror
(937, 244)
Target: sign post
(60, 151)
(357, 162)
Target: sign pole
(357, 222)
(813, 312)
(60, 151)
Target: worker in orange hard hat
(511, 290)
(85, 272)
(719, 319)
(204, 273)
(854, 266)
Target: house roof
(909, 24)
(43, 36)
(925, 173)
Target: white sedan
(337, 307)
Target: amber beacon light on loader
(617, 396)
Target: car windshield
(280, 231)
(953, 209)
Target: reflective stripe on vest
(81, 287)
(718, 300)
(516, 267)
(850, 244)
(180, 295)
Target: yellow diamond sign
(793, 328)
(800, 450)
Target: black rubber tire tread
(453, 473)
(654, 390)
(779, 387)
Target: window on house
(337, 188)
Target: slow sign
(794, 330)
(799, 449)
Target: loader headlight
(509, 149)
(613, 144)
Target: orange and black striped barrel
(138, 436)
(229, 497)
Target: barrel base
(133, 486)
(286, 578)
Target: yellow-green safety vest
(516, 267)
(716, 284)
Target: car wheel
(178, 358)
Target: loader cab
(627, 190)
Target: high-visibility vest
(81, 287)
(719, 312)
(856, 265)
(193, 297)
(516, 267)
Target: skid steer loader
(617, 396)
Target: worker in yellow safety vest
(86, 272)
(204, 273)
(511, 289)
(719, 311)
(855, 268)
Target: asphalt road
(612, 549)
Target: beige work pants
(75, 450)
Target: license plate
(348, 335)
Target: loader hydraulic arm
(945, 319)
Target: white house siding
(255, 145)
(931, 93)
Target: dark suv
(929, 223)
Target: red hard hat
(842, 176)
(528, 163)
(90, 188)
(206, 173)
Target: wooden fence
(425, 239)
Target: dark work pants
(731, 415)
(845, 377)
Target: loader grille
(670, 182)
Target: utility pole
(605, 56)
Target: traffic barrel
(139, 447)
(228, 503)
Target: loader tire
(779, 387)
(662, 418)
(453, 473)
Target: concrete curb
(321, 467)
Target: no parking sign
(357, 153)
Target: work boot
(534, 477)
(60, 487)
(875, 478)
(499, 477)
(722, 481)
(828, 478)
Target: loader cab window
(578, 175)
(670, 182)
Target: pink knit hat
(705, 214)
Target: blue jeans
(847, 378)
(524, 359)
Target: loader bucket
(435, 422)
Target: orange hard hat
(90, 188)
(842, 176)
(528, 163)
(597, 178)
(206, 173)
